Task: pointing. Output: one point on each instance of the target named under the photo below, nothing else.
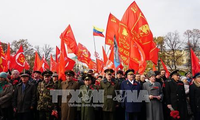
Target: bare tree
(192, 38)
(38, 49)
(173, 50)
(47, 49)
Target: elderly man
(24, 99)
(45, 105)
(154, 110)
(67, 112)
(175, 95)
(15, 78)
(109, 85)
(132, 109)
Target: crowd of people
(27, 96)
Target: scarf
(2, 84)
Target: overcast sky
(42, 21)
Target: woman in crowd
(6, 92)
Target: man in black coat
(175, 95)
(195, 96)
(24, 98)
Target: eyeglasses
(109, 74)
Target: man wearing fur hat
(154, 110)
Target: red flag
(7, 66)
(195, 63)
(2, 60)
(139, 28)
(105, 58)
(44, 65)
(69, 65)
(111, 30)
(167, 72)
(92, 65)
(61, 69)
(154, 67)
(68, 37)
(19, 60)
(110, 61)
(57, 54)
(37, 62)
(99, 65)
(83, 54)
(154, 53)
(53, 64)
(137, 58)
(27, 66)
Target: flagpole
(95, 51)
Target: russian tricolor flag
(98, 31)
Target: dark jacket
(195, 98)
(23, 101)
(175, 95)
(131, 106)
(6, 96)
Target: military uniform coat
(87, 113)
(131, 107)
(175, 95)
(109, 93)
(24, 100)
(154, 110)
(68, 113)
(44, 98)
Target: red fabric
(92, 65)
(37, 62)
(154, 53)
(111, 30)
(154, 67)
(2, 60)
(27, 66)
(99, 65)
(139, 28)
(53, 64)
(69, 65)
(98, 34)
(195, 63)
(19, 60)
(137, 58)
(105, 58)
(83, 54)
(167, 72)
(68, 37)
(44, 65)
(57, 54)
(7, 66)
(61, 70)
